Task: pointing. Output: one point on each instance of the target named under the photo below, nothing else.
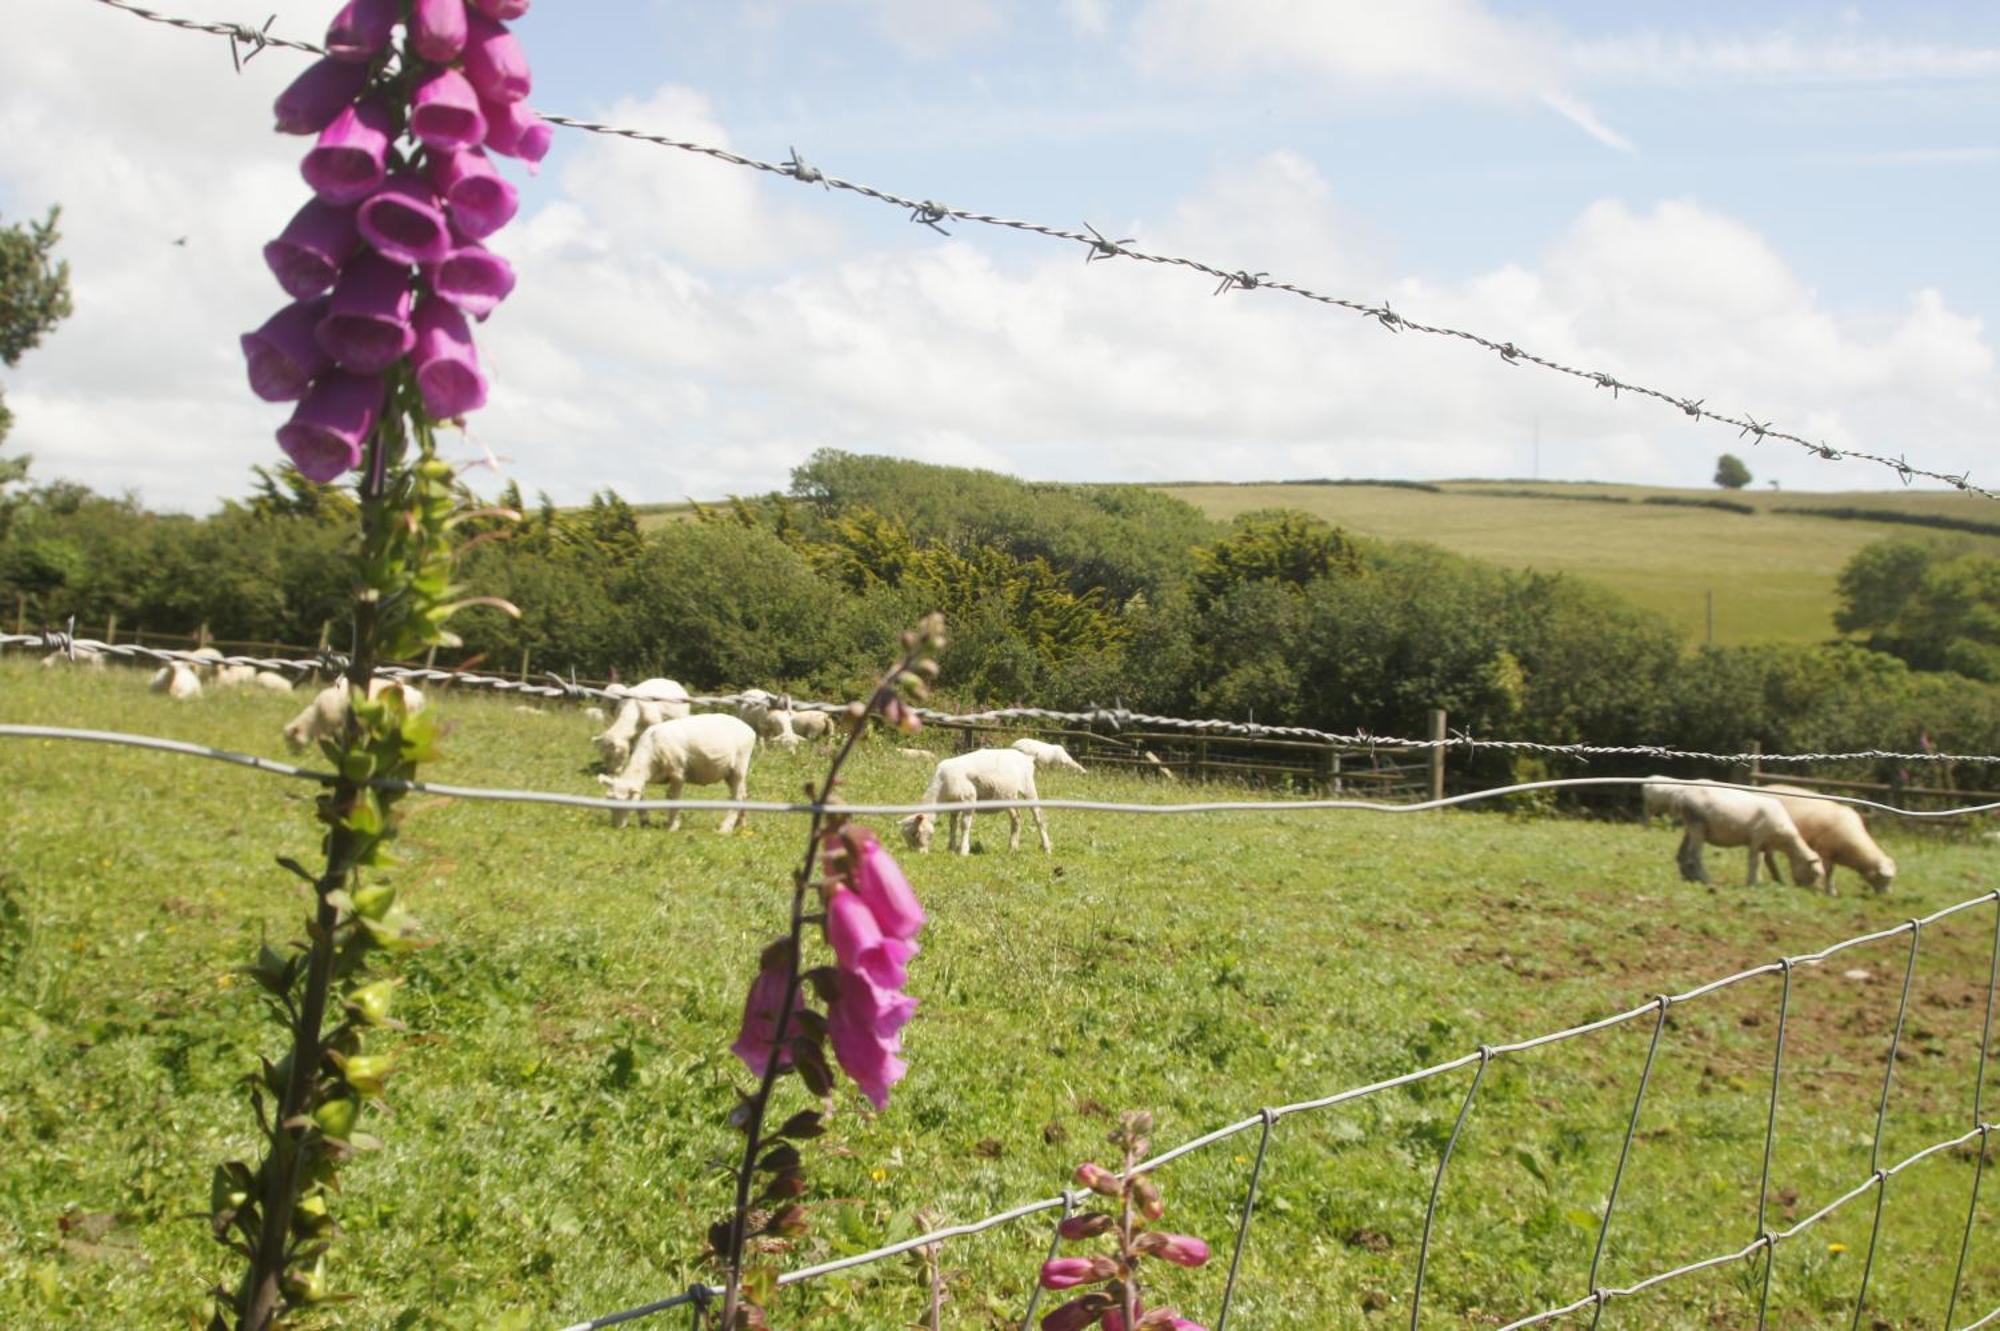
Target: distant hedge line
(1935, 520)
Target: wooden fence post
(1201, 758)
(20, 612)
(325, 633)
(110, 630)
(1756, 762)
(1437, 753)
(524, 665)
(201, 635)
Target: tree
(1730, 473)
(34, 298)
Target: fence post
(201, 635)
(325, 633)
(524, 665)
(1756, 762)
(110, 630)
(1437, 753)
(20, 612)
(1201, 758)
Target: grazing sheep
(84, 656)
(271, 681)
(1729, 817)
(984, 774)
(1048, 755)
(178, 680)
(326, 715)
(917, 755)
(232, 676)
(644, 704)
(1837, 835)
(701, 749)
(595, 714)
(810, 725)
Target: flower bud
(1147, 1197)
(1077, 1313)
(1098, 1179)
(1069, 1272)
(1088, 1225)
(1180, 1249)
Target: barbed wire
(932, 214)
(504, 795)
(1112, 720)
(1765, 1241)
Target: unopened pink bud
(1147, 1198)
(1098, 1179)
(1180, 1249)
(1077, 1313)
(1088, 1225)
(1069, 1272)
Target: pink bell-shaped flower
(863, 1024)
(315, 97)
(514, 130)
(858, 943)
(349, 162)
(367, 324)
(471, 277)
(307, 255)
(494, 61)
(880, 882)
(479, 199)
(283, 356)
(447, 366)
(437, 27)
(402, 221)
(328, 430)
(445, 112)
(361, 29)
(758, 1038)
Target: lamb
(326, 715)
(271, 681)
(1837, 835)
(984, 774)
(643, 705)
(83, 656)
(594, 714)
(1728, 817)
(810, 725)
(178, 680)
(917, 755)
(233, 676)
(703, 749)
(1048, 755)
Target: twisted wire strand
(928, 212)
(1111, 719)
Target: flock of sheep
(656, 738)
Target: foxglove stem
(1130, 1285)
(753, 1131)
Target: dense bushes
(1057, 595)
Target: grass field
(553, 1151)
(1772, 574)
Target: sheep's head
(295, 737)
(1808, 869)
(615, 751)
(1064, 760)
(1661, 795)
(618, 788)
(1881, 874)
(917, 830)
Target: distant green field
(1772, 574)
(553, 1150)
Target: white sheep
(642, 705)
(594, 715)
(207, 659)
(1837, 835)
(810, 724)
(272, 681)
(326, 715)
(178, 680)
(1048, 755)
(984, 774)
(232, 676)
(701, 749)
(917, 755)
(1713, 813)
(83, 656)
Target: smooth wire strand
(503, 795)
(930, 213)
(1113, 720)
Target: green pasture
(554, 1147)
(1772, 574)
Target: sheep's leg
(961, 831)
(1013, 830)
(1692, 867)
(1750, 875)
(739, 789)
(1042, 826)
(1771, 867)
(674, 793)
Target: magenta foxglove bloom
(349, 162)
(307, 256)
(361, 29)
(367, 324)
(858, 943)
(437, 27)
(880, 882)
(760, 1021)
(514, 130)
(471, 277)
(1180, 1249)
(494, 61)
(283, 356)
(444, 112)
(502, 11)
(1069, 1272)
(1076, 1314)
(480, 201)
(315, 97)
(863, 1023)
(402, 221)
(447, 365)
(327, 431)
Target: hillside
(1772, 573)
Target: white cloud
(927, 29)
(1089, 18)
(1777, 57)
(1414, 48)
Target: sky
(1783, 209)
